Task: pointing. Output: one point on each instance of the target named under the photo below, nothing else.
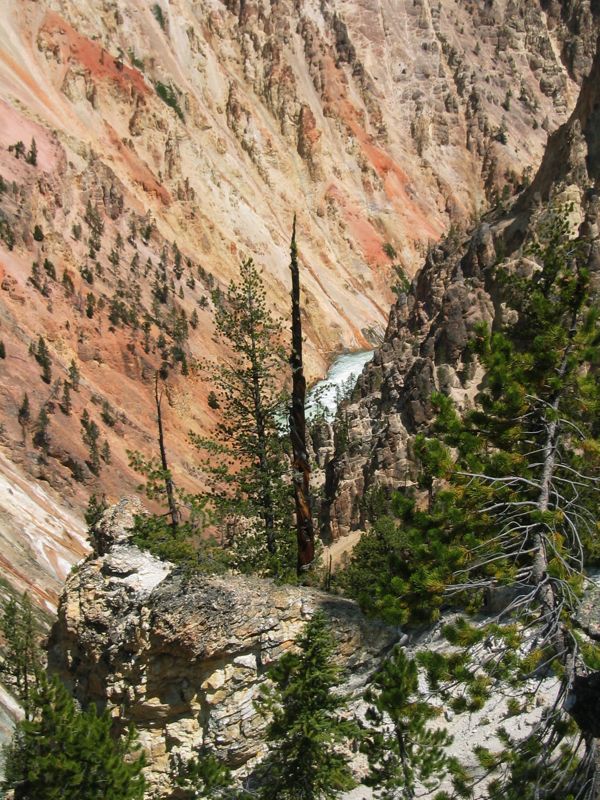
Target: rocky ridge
(425, 345)
(184, 657)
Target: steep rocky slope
(174, 138)
(429, 327)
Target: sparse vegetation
(32, 153)
(6, 232)
(170, 96)
(42, 356)
(90, 436)
(17, 149)
(159, 16)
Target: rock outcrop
(184, 657)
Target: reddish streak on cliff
(394, 182)
(91, 55)
(24, 579)
(361, 230)
(138, 169)
(393, 176)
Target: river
(340, 378)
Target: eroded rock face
(184, 657)
(205, 127)
(425, 346)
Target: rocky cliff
(430, 325)
(171, 139)
(184, 657)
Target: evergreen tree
(306, 729)
(407, 752)
(515, 506)
(63, 752)
(205, 778)
(90, 436)
(41, 438)
(24, 414)
(18, 149)
(105, 452)
(245, 464)
(21, 664)
(42, 356)
(74, 376)
(65, 403)
(31, 157)
(95, 509)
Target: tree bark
(301, 468)
(169, 488)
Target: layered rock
(184, 657)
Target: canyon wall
(425, 346)
(173, 139)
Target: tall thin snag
(301, 467)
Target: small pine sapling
(405, 753)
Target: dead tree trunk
(169, 488)
(301, 468)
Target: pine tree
(245, 464)
(63, 752)
(21, 664)
(31, 157)
(105, 453)
(65, 403)
(204, 777)
(515, 507)
(74, 376)
(407, 752)
(42, 356)
(90, 436)
(95, 509)
(307, 728)
(18, 149)
(24, 414)
(41, 438)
